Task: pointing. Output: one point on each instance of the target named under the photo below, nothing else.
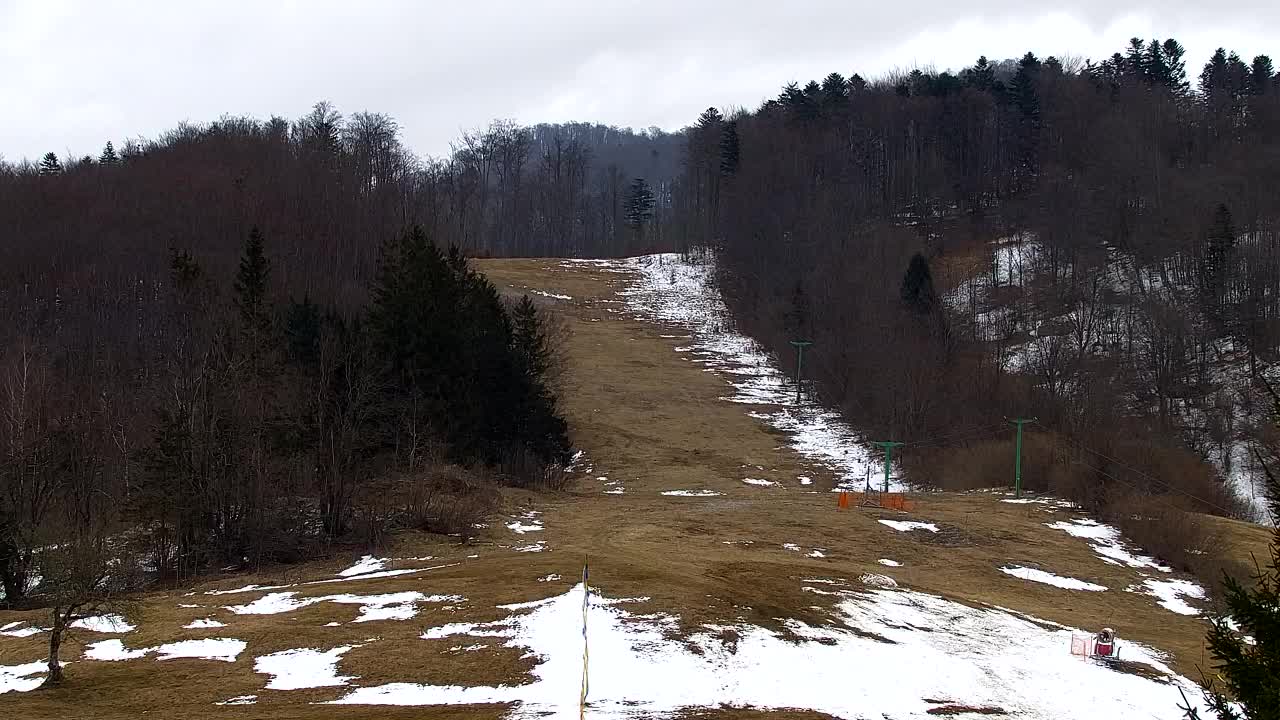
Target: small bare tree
(84, 578)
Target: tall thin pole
(800, 345)
(1017, 456)
(888, 446)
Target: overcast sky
(75, 74)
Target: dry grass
(650, 418)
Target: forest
(1092, 245)
(247, 343)
(245, 340)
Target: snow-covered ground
(302, 668)
(224, 649)
(1048, 578)
(675, 291)
(387, 606)
(22, 678)
(367, 564)
(886, 654)
(1107, 543)
(104, 624)
(909, 525)
(1170, 594)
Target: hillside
(723, 576)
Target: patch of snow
(302, 668)
(270, 604)
(520, 528)
(536, 547)
(1055, 502)
(1170, 594)
(889, 563)
(804, 480)
(203, 623)
(19, 678)
(380, 574)
(112, 650)
(367, 564)
(104, 624)
(1049, 578)
(638, 671)
(21, 632)
(815, 553)
(245, 589)
(791, 546)
(692, 493)
(553, 296)
(224, 649)
(240, 700)
(474, 629)
(909, 525)
(188, 605)
(758, 481)
(549, 578)
(389, 606)
(1106, 541)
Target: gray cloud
(75, 74)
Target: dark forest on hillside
(246, 342)
(1095, 246)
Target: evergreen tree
(1176, 66)
(856, 84)
(414, 320)
(638, 208)
(729, 149)
(251, 285)
(799, 103)
(835, 91)
(50, 165)
(108, 156)
(1250, 671)
(1261, 75)
(918, 293)
(1213, 77)
(981, 76)
(529, 339)
(542, 430)
(1026, 96)
(1135, 60)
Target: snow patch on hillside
(1107, 543)
(1048, 578)
(909, 525)
(302, 668)
(678, 291)
(865, 663)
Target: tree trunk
(55, 645)
(11, 574)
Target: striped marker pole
(586, 600)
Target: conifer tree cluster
(1245, 641)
